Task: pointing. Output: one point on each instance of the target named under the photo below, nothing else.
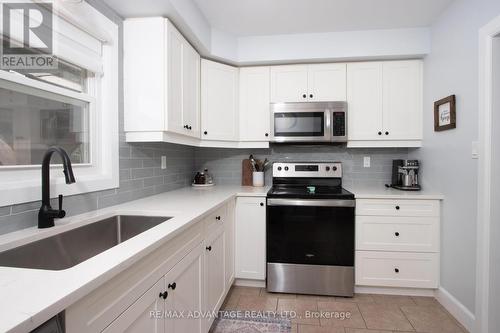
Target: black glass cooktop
(309, 192)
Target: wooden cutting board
(246, 173)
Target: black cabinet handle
(311, 96)
(379, 133)
(397, 234)
(397, 207)
(262, 204)
(267, 134)
(189, 127)
(209, 248)
(217, 218)
(386, 133)
(164, 294)
(172, 286)
(186, 126)
(304, 96)
(205, 132)
(396, 270)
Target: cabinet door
(185, 287)
(326, 82)
(402, 100)
(289, 83)
(364, 98)
(219, 101)
(138, 317)
(191, 90)
(215, 270)
(254, 104)
(173, 76)
(250, 238)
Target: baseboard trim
(457, 309)
(250, 283)
(394, 291)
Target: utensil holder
(258, 178)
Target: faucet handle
(61, 213)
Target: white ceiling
(270, 17)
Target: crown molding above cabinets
(171, 95)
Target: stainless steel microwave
(309, 122)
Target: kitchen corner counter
(32, 296)
(382, 192)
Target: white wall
(494, 301)
(447, 166)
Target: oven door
(300, 125)
(310, 232)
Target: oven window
(297, 124)
(310, 235)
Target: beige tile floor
(367, 313)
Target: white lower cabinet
(397, 243)
(250, 238)
(170, 289)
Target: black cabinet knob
(267, 134)
(205, 132)
(172, 286)
(397, 207)
(397, 234)
(379, 133)
(217, 218)
(185, 126)
(164, 295)
(304, 96)
(311, 96)
(396, 270)
(386, 133)
(209, 248)
(262, 204)
(189, 127)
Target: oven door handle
(312, 202)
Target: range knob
(286, 168)
(327, 168)
(279, 168)
(334, 168)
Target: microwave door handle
(312, 202)
(328, 125)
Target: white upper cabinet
(219, 101)
(308, 83)
(385, 104)
(364, 100)
(254, 104)
(161, 79)
(289, 83)
(402, 100)
(326, 82)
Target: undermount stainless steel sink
(72, 247)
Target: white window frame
(19, 184)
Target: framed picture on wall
(445, 117)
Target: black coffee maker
(405, 175)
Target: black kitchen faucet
(46, 214)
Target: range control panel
(312, 170)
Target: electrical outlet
(366, 161)
(163, 162)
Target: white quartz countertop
(29, 297)
(382, 192)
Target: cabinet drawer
(397, 207)
(215, 219)
(397, 269)
(392, 233)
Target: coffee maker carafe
(405, 175)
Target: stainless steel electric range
(310, 230)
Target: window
(74, 106)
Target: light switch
(366, 161)
(163, 162)
(475, 149)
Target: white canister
(258, 178)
